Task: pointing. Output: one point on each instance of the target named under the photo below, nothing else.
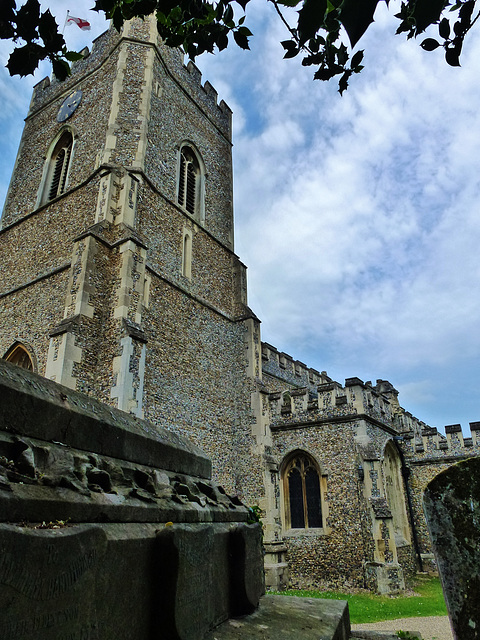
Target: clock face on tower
(68, 106)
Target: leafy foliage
(36, 38)
(254, 514)
(325, 34)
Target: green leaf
(466, 9)
(427, 12)
(222, 41)
(24, 60)
(429, 44)
(27, 20)
(61, 68)
(343, 82)
(356, 16)
(241, 40)
(452, 56)
(291, 49)
(48, 30)
(356, 59)
(342, 55)
(73, 56)
(444, 29)
(117, 18)
(228, 15)
(310, 18)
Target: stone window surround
(49, 166)
(198, 213)
(187, 240)
(21, 355)
(289, 532)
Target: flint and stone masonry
(118, 278)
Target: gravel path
(433, 628)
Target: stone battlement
(141, 33)
(430, 443)
(319, 398)
(282, 365)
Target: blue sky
(357, 216)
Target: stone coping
(35, 407)
(289, 617)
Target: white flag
(80, 22)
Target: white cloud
(356, 215)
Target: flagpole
(65, 23)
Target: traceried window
(302, 493)
(18, 354)
(190, 186)
(58, 164)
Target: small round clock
(68, 106)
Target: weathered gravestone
(137, 544)
(452, 508)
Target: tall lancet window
(303, 500)
(190, 182)
(58, 164)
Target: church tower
(118, 272)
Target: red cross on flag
(80, 22)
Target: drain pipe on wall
(405, 476)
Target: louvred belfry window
(189, 181)
(58, 166)
(303, 496)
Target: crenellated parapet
(49, 89)
(326, 400)
(281, 365)
(428, 443)
(142, 33)
(304, 396)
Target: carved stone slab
(193, 563)
(47, 582)
(452, 508)
(208, 573)
(247, 578)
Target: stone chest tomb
(110, 529)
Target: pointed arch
(302, 492)
(20, 355)
(57, 166)
(191, 181)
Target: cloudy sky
(357, 215)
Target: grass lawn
(366, 607)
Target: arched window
(19, 355)
(57, 166)
(187, 254)
(302, 493)
(190, 182)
